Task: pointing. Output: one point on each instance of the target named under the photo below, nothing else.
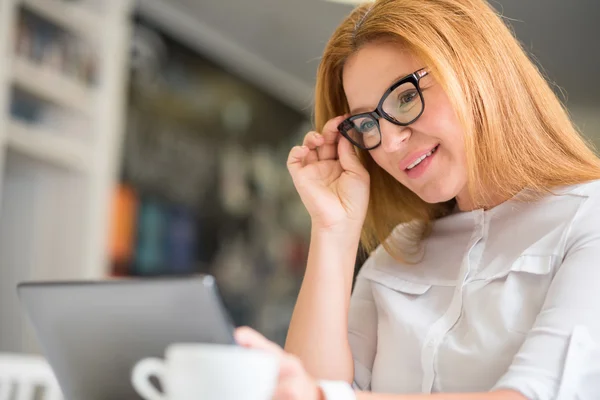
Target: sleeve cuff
(337, 390)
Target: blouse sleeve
(560, 358)
(362, 332)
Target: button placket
(450, 317)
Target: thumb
(248, 337)
(349, 159)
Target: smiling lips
(415, 159)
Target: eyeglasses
(402, 104)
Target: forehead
(370, 71)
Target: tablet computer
(93, 333)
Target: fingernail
(318, 135)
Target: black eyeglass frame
(378, 113)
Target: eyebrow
(360, 110)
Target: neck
(465, 202)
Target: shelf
(39, 144)
(69, 16)
(51, 85)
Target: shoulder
(589, 189)
(564, 203)
(588, 194)
(585, 222)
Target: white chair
(26, 377)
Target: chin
(433, 194)
(435, 198)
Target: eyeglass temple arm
(422, 72)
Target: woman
(440, 140)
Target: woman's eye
(406, 98)
(366, 126)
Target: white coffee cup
(207, 372)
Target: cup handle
(141, 374)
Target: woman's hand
(294, 383)
(331, 181)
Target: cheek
(444, 125)
(385, 161)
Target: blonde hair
(517, 134)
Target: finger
(312, 140)
(290, 366)
(248, 337)
(330, 129)
(293, 389)
(311, 157)
(295, 159)
(331, 137)
(297, 387)
(328, 150)
(289, 389)
(349, 159)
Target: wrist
(349, 233)
(342, 226)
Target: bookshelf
(71, 16)
(63, 80)
(37, 144)
(51, 86)
(204, 185)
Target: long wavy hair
(517, 133)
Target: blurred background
(149, 138)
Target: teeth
(418, 160)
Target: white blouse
(503, 299)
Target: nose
(393, 137)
